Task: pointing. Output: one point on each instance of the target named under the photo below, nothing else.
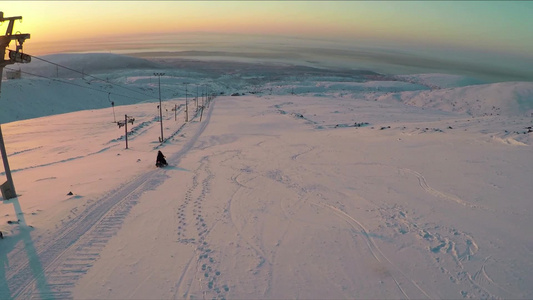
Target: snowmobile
(160, 161)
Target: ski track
(159, 146)
(182, 276)
(257, 248)
(181, 129)
(61, 161)
(439, 242)
(139, 130)
(430, 190)
(405, 284)
(23, 151)
(297, 155)
(425, 186)
(135, 131)
(481, 276)
(60, 254)
(132, 134)
(377, 254)
(74, 248)
(445, 244)
(407, 287)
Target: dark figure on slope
(160, 161)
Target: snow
(504, 98)
(440, 80)
(349, 188)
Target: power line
(89, 75)
(92, 76)
(75, 84)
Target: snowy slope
(345, 190)
(505, 98)
(261, 203)
(437, 81)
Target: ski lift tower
(161, 140)
(15, 56)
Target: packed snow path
(51, 269)
(268, 198)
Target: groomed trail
(49, 269)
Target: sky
(502, 28)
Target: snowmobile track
(74, 248)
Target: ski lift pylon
(113, 105)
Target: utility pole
(113, 105)
(126, 129)
(196, 98)
(125, 124)
(186, 105)
(8, 188)
(160, 107)
(207, 97)
(205, 92)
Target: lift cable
(78, 85)
(89, 75)
(100, 79)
